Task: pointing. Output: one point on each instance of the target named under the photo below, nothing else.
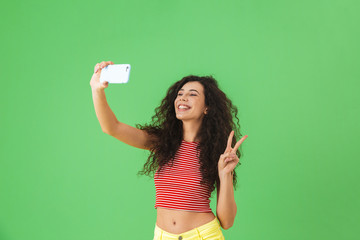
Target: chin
(181, 117)
(185, 118)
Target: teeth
(183, 107)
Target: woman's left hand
(228, 160)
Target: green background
(291, 67)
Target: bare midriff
(180, 221)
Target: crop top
(178, 186)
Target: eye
(193, 94)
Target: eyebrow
(189, 90)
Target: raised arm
(131, 135)
(107, 119)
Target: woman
(186, 140)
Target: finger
(237, 145)
(105, 64)
(231, 155)
(230, 159)
(96, 66)
(224, 156)
(228, 147)
(102, 65)
(235, 161)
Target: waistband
(201, 230)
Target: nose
(183, 98)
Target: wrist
(226, 176)
(96, 90)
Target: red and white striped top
(178, 186)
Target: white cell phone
(115, 73)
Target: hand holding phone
(95, 79)
(115, 73)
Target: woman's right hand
(95, 79)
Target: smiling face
(190, 102)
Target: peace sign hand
(228, 160)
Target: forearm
(104, 114)
(226, 206)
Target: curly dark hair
(213, 133)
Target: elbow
(106, 131)
(227, 226)
(229, 221)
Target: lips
(183, 107)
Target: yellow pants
(208, 231)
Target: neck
(190, 130)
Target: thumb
(105, 84)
